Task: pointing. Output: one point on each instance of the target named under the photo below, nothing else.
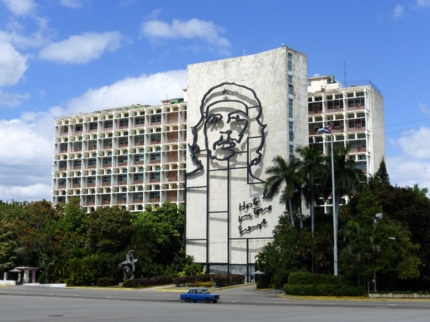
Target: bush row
(219, 280)
(187, 280)
(304, 278)
(142, 282)
(105, 281)
(322, 289)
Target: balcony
(121, 201)
(107, 165)
(105, 202)
(91, 166)
(92, 184)
(91, 148)
(154, 161)
(122, 144)
(122, 164)
(106, 184)
(90, 203)
(76, 185)
(137, 181)
(154, 200)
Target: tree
(383, 247)
(382, 175)
(39, 234)
(311, 170)
(8, 239)
(159, 235)
(109, 230)
(283, 178)
(348, 178)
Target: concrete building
(357, 116)
(130, 156)
(242, 112)
(210, 149)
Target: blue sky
(60, 57)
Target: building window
(290, 108)
(106, 179)
(155, 175)
(108, 124)
(78, 128)
(290, 79)
(156, 118)
(290, 89)
(290, 62)
(93, 126)
(291, 149)
(123, 122)
(139, 120)
(154, 194)
(155, 156)
(155, 137)
(63, 146)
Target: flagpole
(334, 209)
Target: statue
(128, 267)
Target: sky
(61, 57)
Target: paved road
(238, 304)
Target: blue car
(199, 294)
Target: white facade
(242, 112)
(130, 156)
(357, 116)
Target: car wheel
(194, 301)
(215, 301)
(207, 300)
(187, 300)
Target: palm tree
(284, 178)
(311, 170)
(348, 178)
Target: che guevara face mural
(230, 115)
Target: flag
(325, 129)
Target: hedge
(105, 281)
(303, 283)
(220, 280)
(142, 282)
(322, 289)
(304, 278)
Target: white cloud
(415, 143)
(412, 165)
(27, 143)
(12, 65)
(20, 7)
(398, 11)
(33, 192)
(145, 89)
(26, 150)
(192, 28)
(423, 3)
(81, 49)
(12, 99)
(71, 3)
(424, 108)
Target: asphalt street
(21, 303)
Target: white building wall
(213, 230)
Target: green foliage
(126, 283)
(303, 283)
(381, 175)
(109, 230)
(158, 234)
(303, 278)
(323, 290)
(105, 281)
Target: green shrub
(105, 281)
(281, 278)
(322, 290)
(303, 278)
(126, 283)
